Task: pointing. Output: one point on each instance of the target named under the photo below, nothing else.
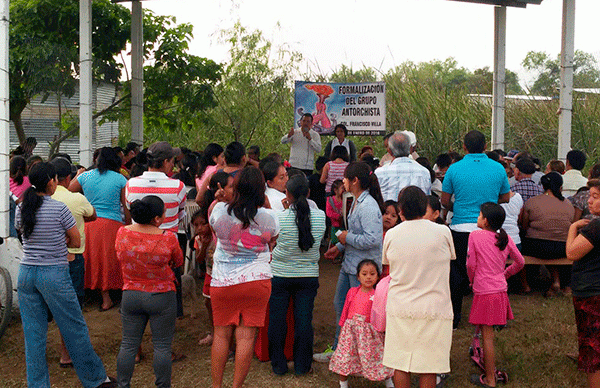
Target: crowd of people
(412, 237)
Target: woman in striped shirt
(295, 267)
(334, 169)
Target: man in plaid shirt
(524, 168)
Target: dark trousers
(459, 280)
(302, 291)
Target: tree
(44, 56)
(546, 71)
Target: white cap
(412, 137)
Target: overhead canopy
(507, 3)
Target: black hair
(413, 202)
(339, 151)
(18, 169)
(140, 163)
(576, 159)
(493, 155)
(455, 156)
(131, 146)
(525, 165)
(118, 149)
(189, 169)
(594, 171)
(500, 152)
(39, 177)
(335, 185)
(433, 201)
(254, 150)
(365, 262)
(200, 213)
(62, 167)
(321, 162)
(211, 151)
(270, 170)
(144, 210)
(366, 178)
(371, 161)
(294, 171)
(391, 202)
(219, 178)
(475, 142)
(108, 160)
(234, 153)
(297, 186)
(443, 160)
(308, 115)
(495, 215)
(343, 127)
(248, 195)
(32, 160)
(553, 181)
(63, 155)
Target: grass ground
(532, 349)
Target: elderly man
(402, 171)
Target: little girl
(360, 346)
(333, 209)
(434, 209)
(334, 169)
(391, 217)
(489, 249)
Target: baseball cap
(162, 150)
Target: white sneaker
(325, 356)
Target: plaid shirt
(527, 188)
(398, 174)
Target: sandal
(206, 341)
(479, 380)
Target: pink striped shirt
(336, 171)
(171, 191)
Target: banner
(359, 106)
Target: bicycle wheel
(5, 299)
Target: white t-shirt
(512, 209)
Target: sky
(384, 33)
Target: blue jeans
(49, 287)
(137, 308)
(302, 291)
(345, 282)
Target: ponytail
(501, 239)
(553, 181)
(39, 176)
(297, 186)
(218, 178)
(367, 180)
(18, 169)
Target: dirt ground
(532, 349)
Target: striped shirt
(171, 191)
(288, 260)
(47, 244)
(336, 171)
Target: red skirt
(490, 309)
(102, 269)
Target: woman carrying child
(419, 311)
(489, 248)
(334, 169)
(360, 346)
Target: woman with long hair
(44, 283)
(295, 267)
(362, 240)
(147, 254)
(241, 275)
(104, 187)
(19, 182)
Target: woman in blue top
(295, 267)
(44, 283)
(362, 240)
(104, 187)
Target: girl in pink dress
(489, 248)
(360, 347)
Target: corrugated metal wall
(39, 121)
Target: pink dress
(486, 267)
(360, 347)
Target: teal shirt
(288, 260)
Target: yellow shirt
(80, 207)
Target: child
(488, 251)
(434, 208)
(360, 346)
(334, 169)
(333, 209)
(390, 217)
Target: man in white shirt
(573, 179)
(305, 143)
(402, 171)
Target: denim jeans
(49, 287)
(345, 282)
(302, 291)
(137, 308)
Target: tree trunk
(19, 128)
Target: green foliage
(546, 71)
